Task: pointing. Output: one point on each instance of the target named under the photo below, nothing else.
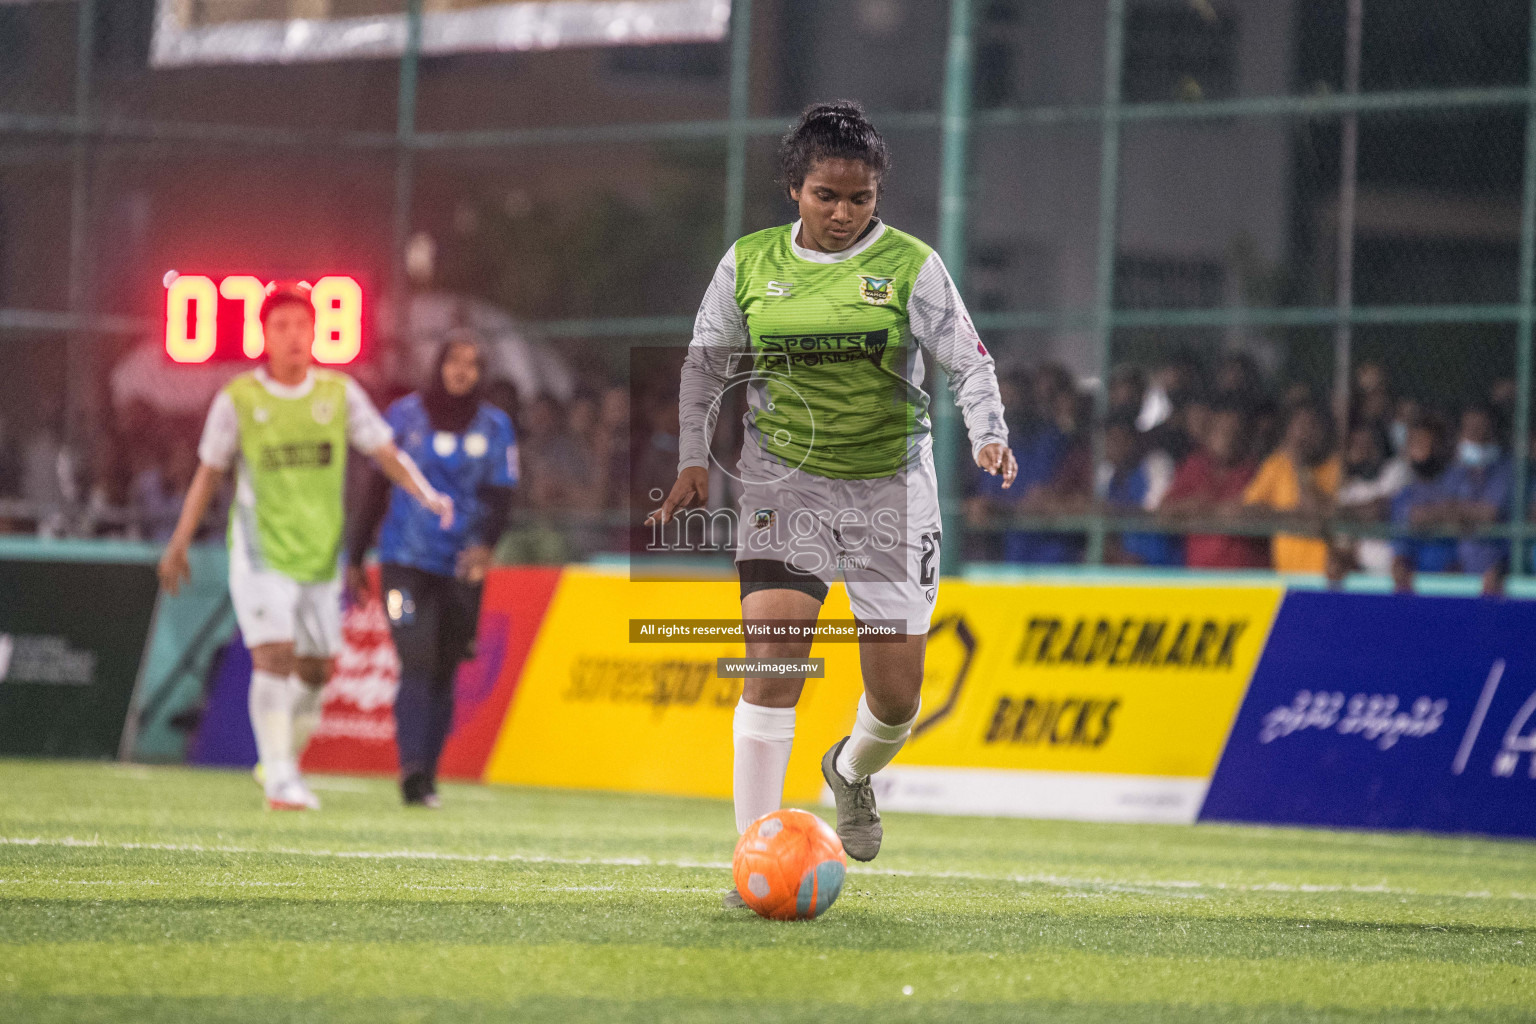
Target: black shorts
(432, 618)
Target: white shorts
(274, 609)
(880, 535)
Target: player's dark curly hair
(831, 131)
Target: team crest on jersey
(323, 410)
(260, 414)
(762, 518)
(876, 291)
(475, 445)
(444, 443)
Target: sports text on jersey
(777, 350)
(297, 455)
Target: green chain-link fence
(1120, 186)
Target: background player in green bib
(840, 315)
(285, 430)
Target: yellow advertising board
(1108, 701)
(595, 711)
(1132, 680)
(1102, 703)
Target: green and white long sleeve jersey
(839, 345)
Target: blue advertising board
(224, 736)
(1388, 712)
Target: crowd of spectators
(573, 495)
(1204, 467)
(129, 483)
(1211, 468)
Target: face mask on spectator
(1476, 456)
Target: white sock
(271, 705)
(306, 714)
(764, 737)
(871, 745)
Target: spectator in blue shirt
(1043, 443)
(1133, 481)
(1473, 493)
(1424, 448)
(433, 576)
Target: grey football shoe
(858, 822)
(732, 900)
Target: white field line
(142, 882)
(1149, 886)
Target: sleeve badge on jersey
(972, 328)
(876, 291)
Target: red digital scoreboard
(218, 318)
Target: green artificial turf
(148, 895)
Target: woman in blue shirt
(432, 577)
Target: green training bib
(294, 461)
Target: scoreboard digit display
(218, 318)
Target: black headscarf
(452, 413)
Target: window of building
(1158, 282)
(996, 54)
(1179, 50)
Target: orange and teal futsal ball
(789, 865)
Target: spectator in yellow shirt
(1300, 479)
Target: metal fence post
(405, 168)
(1344, 273)
(740, 109)
(1522, 428)
(953, 194)
(79, 397)
(1104, 271)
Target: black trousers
(432, 619)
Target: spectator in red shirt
(1209, 485)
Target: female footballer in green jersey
(840, 314)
